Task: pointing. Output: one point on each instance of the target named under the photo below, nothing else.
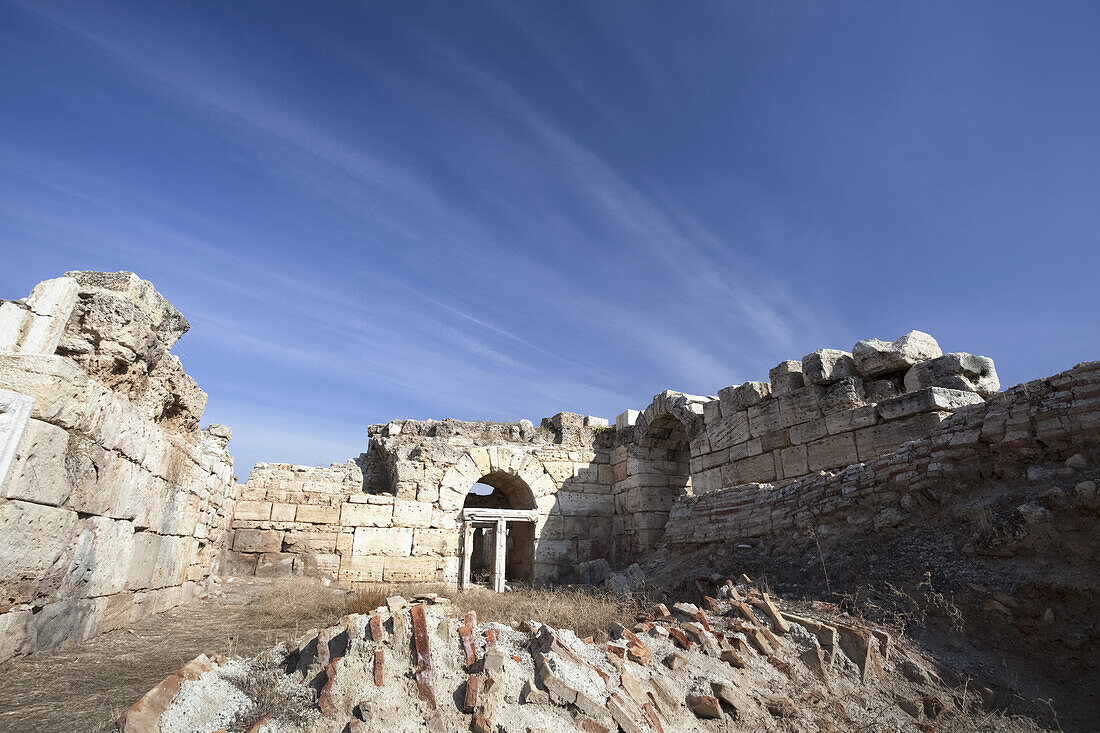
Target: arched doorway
(498, 516)
(663, 476)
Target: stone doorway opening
(664, 454)
(498, 532)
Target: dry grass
(585, 612)
(274, 696)
(284, 604)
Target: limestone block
(835, 451)
(38, 467)
(745, 395)
(775, 440)
(627, 418)
(15, 416)
(366, 515)
(712, 411)
(794, 461)
(764, 418)
(875, 357)
(275, 565)
(158, 561)
(827, 366)
(732, 429)
(383, 541)
(318, 514)
(101, 560)
(252, 510)
(928, 399)
(64, 622)
(758, 469)
(33, 537)
(60, 390)
(880, 390)
(959, 371)
(845, 394)
(412, 513)
(306, 542)
(435, 542)
(573, 504)
(411, 569)
(317, 565)
(808, 431)
(800, 405)
(120, 608)
(50, 304)
(849, 420)
(281, 512)
(746, 450)
(13, 634)
(13, 319)
(480, 457)
(786, 377)
(259, 540)
(888, 436)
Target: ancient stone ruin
(115, 505)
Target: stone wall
(600, 492)
(393, 515)
(1038, 422)
(113, 505)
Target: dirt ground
(85, 688)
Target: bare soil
(86, 687)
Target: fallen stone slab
(874, 357)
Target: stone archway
(664, 440)
(498, 535)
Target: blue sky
(379, 210)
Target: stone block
(928, 399)
(412, 513)
(252, 510)
(764, 418)
(13, 634)
(794, 461)
(875, 357)
(786, 377)
(275, 565)
(826, 366)
(435, 542)
(958, 371)
(808, 431)
(835, 451)
(745, 450)
(38, 467)
(888, 436)
(627, 418)
(411, 569)
(846, 394)
(116, 615)
(285, 513)
(800, 405)
(775, 440)
(317, 565)
(64, 622)
(712, 411)
(317, 514)
(732, 429)
(757, 469)
(33, 539)
(366, 515)
(362, 568)
(306, 542)
(745, 395)
(101, 562)
(849, 420)
(880, 390)
(393, 541)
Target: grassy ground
(85, 688)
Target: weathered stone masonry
(595, 492)
(113, 504)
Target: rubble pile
(742, 661)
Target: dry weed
(274, 697)
(585, 612)
(285, 604)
